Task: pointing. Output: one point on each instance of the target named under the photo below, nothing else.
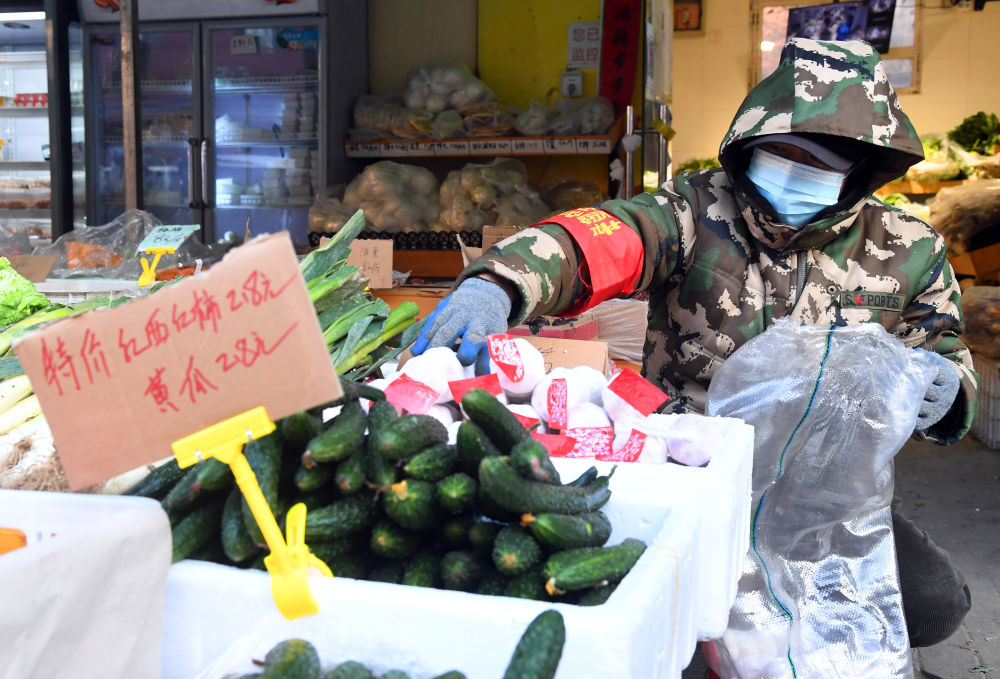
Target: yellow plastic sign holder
(148, 275)
(288, 561)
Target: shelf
(24, 166)
(915, 188)
(290, 141)
(24, 111)
(485, 146)
(33, 213)
(287, 206)
(176, 86)
(291, 83)
(159, 141)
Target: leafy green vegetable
(979, 133)
(692, 164)
(18, 297)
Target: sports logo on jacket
(864, 299)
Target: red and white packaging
(592, 442)
(410, 396)
(490, 383)
(558, 445)
(505, 355)
(557, 403)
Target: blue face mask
(796, 191)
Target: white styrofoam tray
(218, 617)
(82, 599)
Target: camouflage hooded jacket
(718, 266)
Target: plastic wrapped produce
(395, 197)
(536, 120)
(489, 119)
(937, 165)
(568, 195)
(590, 115)
(483, 194)
(960, 213)
(440, 83)
(386, 116)
(981, 307)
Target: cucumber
(492, 584)
(461, 570)
(211, 551)
(379, 472)
(324, 550)
(395, 674)
(344, 435)
(433, 463)
(491, 509)
(236, 541)
(529, 585)
(390, 541)
(182, 495)
(350, 476)
(423, 570)
(196, 529)
(539, 649)
(455, 532)
(586, 477)
(311, 478)
(264, 457)
(410, 503)
(297, 430)
(388, 570)
(597, 596)
(482, 535)
(590, 566)
(568, 531)
(315, 499)
(292, 659)
(199, 482)
(472, 445)
(502, 484)
(157, 483)
(453, 674)
(349, 670)
(341, 517)
(493, 417)
(407, 435)
(515, 551)
(354, 565)
(530, 459)
(456, 493)
(355, 390)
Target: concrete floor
(953, 493)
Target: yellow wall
(959, 57)
(402, 33)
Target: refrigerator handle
(192, 201)
(204, 172)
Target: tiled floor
(953, 493)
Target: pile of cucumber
(536, 656)
(389, 499)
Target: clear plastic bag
(535, 120)
(440, 83)
(975, 165)
(819, 593)
(395, 197)
(386, 116)
(448, 124)
(960, 213)
(981, 309)
(590, 115)
(479, 194)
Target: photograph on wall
(688, 15)
(837, 21)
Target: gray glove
(476, 309)
(940, 395)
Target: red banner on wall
(620, 39)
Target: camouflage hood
(838, 93)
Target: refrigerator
(233, 119)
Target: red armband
(612, 254)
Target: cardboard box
(981, 262)
(582, 327)
(568, 353)
(492, 234)
(425, 297)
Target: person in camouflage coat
(720, 266)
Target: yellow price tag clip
(148, 275)
(289, 560)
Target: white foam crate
(82, 597)
(986, 426)
(76, 290)
(646, 630)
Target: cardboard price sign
(167, 237)
(119, 386)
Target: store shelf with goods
(255, 85)
(24, 166)
(280, 139)
(159, 86)
(918, 188)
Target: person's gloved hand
(476, 309)
(940, 395)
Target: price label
(365, 150)
(638, 392)
(560, 145)
(119, 386)
(243, 44)
(392, 149)
(459, 388)
(527, 146)
(451, 148)
(489, 146)
(374, 258)
(167, 237)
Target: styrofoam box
(215, 615)
(76, 290)
(81, 599)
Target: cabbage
(18, 297)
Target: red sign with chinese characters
(119, 386)
(619, 51)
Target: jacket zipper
(802, 266)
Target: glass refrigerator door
(168, 81)
(263, 120)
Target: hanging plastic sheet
(819, 593)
